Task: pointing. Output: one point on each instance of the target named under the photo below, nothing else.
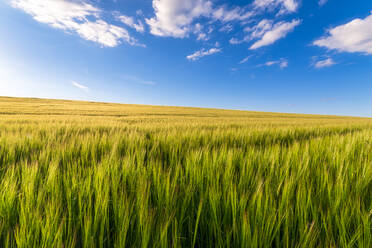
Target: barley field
(83, 174)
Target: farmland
(84, 174)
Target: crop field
(83, 174)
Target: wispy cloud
(79, 17)
(201, 53)
(129, 21)
(269, 34)
(324, 63)
(245, 60)
(322, 2)
(138, 80)
(286, 6)
(266, 32)
(282, 63)
(80, 86)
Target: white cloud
(290, 5)
(235, 14)
(322, 2)
(286, 6)
(202, 36)
(76, 16)
(198, 30)
(260, 29)
(282, 63)
(138, 80)
(324, 63)
(180, 18)
(128, 20)
(201, 53)
(266, 32)
(354, 36)
(235, 41)
(80, 86)
(104, 33)
(245, 60)
(226, 28)
(269, 33)
(174, 18)
(270, 63)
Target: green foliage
(79, 174)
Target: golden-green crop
(81, 174)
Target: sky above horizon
(293, 56)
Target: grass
(80, 174)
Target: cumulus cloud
(76, 16)
(80, 86)
(201, 53)
(174, 18)
(171, 18)
(269, 33)
(324, 63)
(129, 21)
(354, 36)
(180, 19)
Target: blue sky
(296, 56)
